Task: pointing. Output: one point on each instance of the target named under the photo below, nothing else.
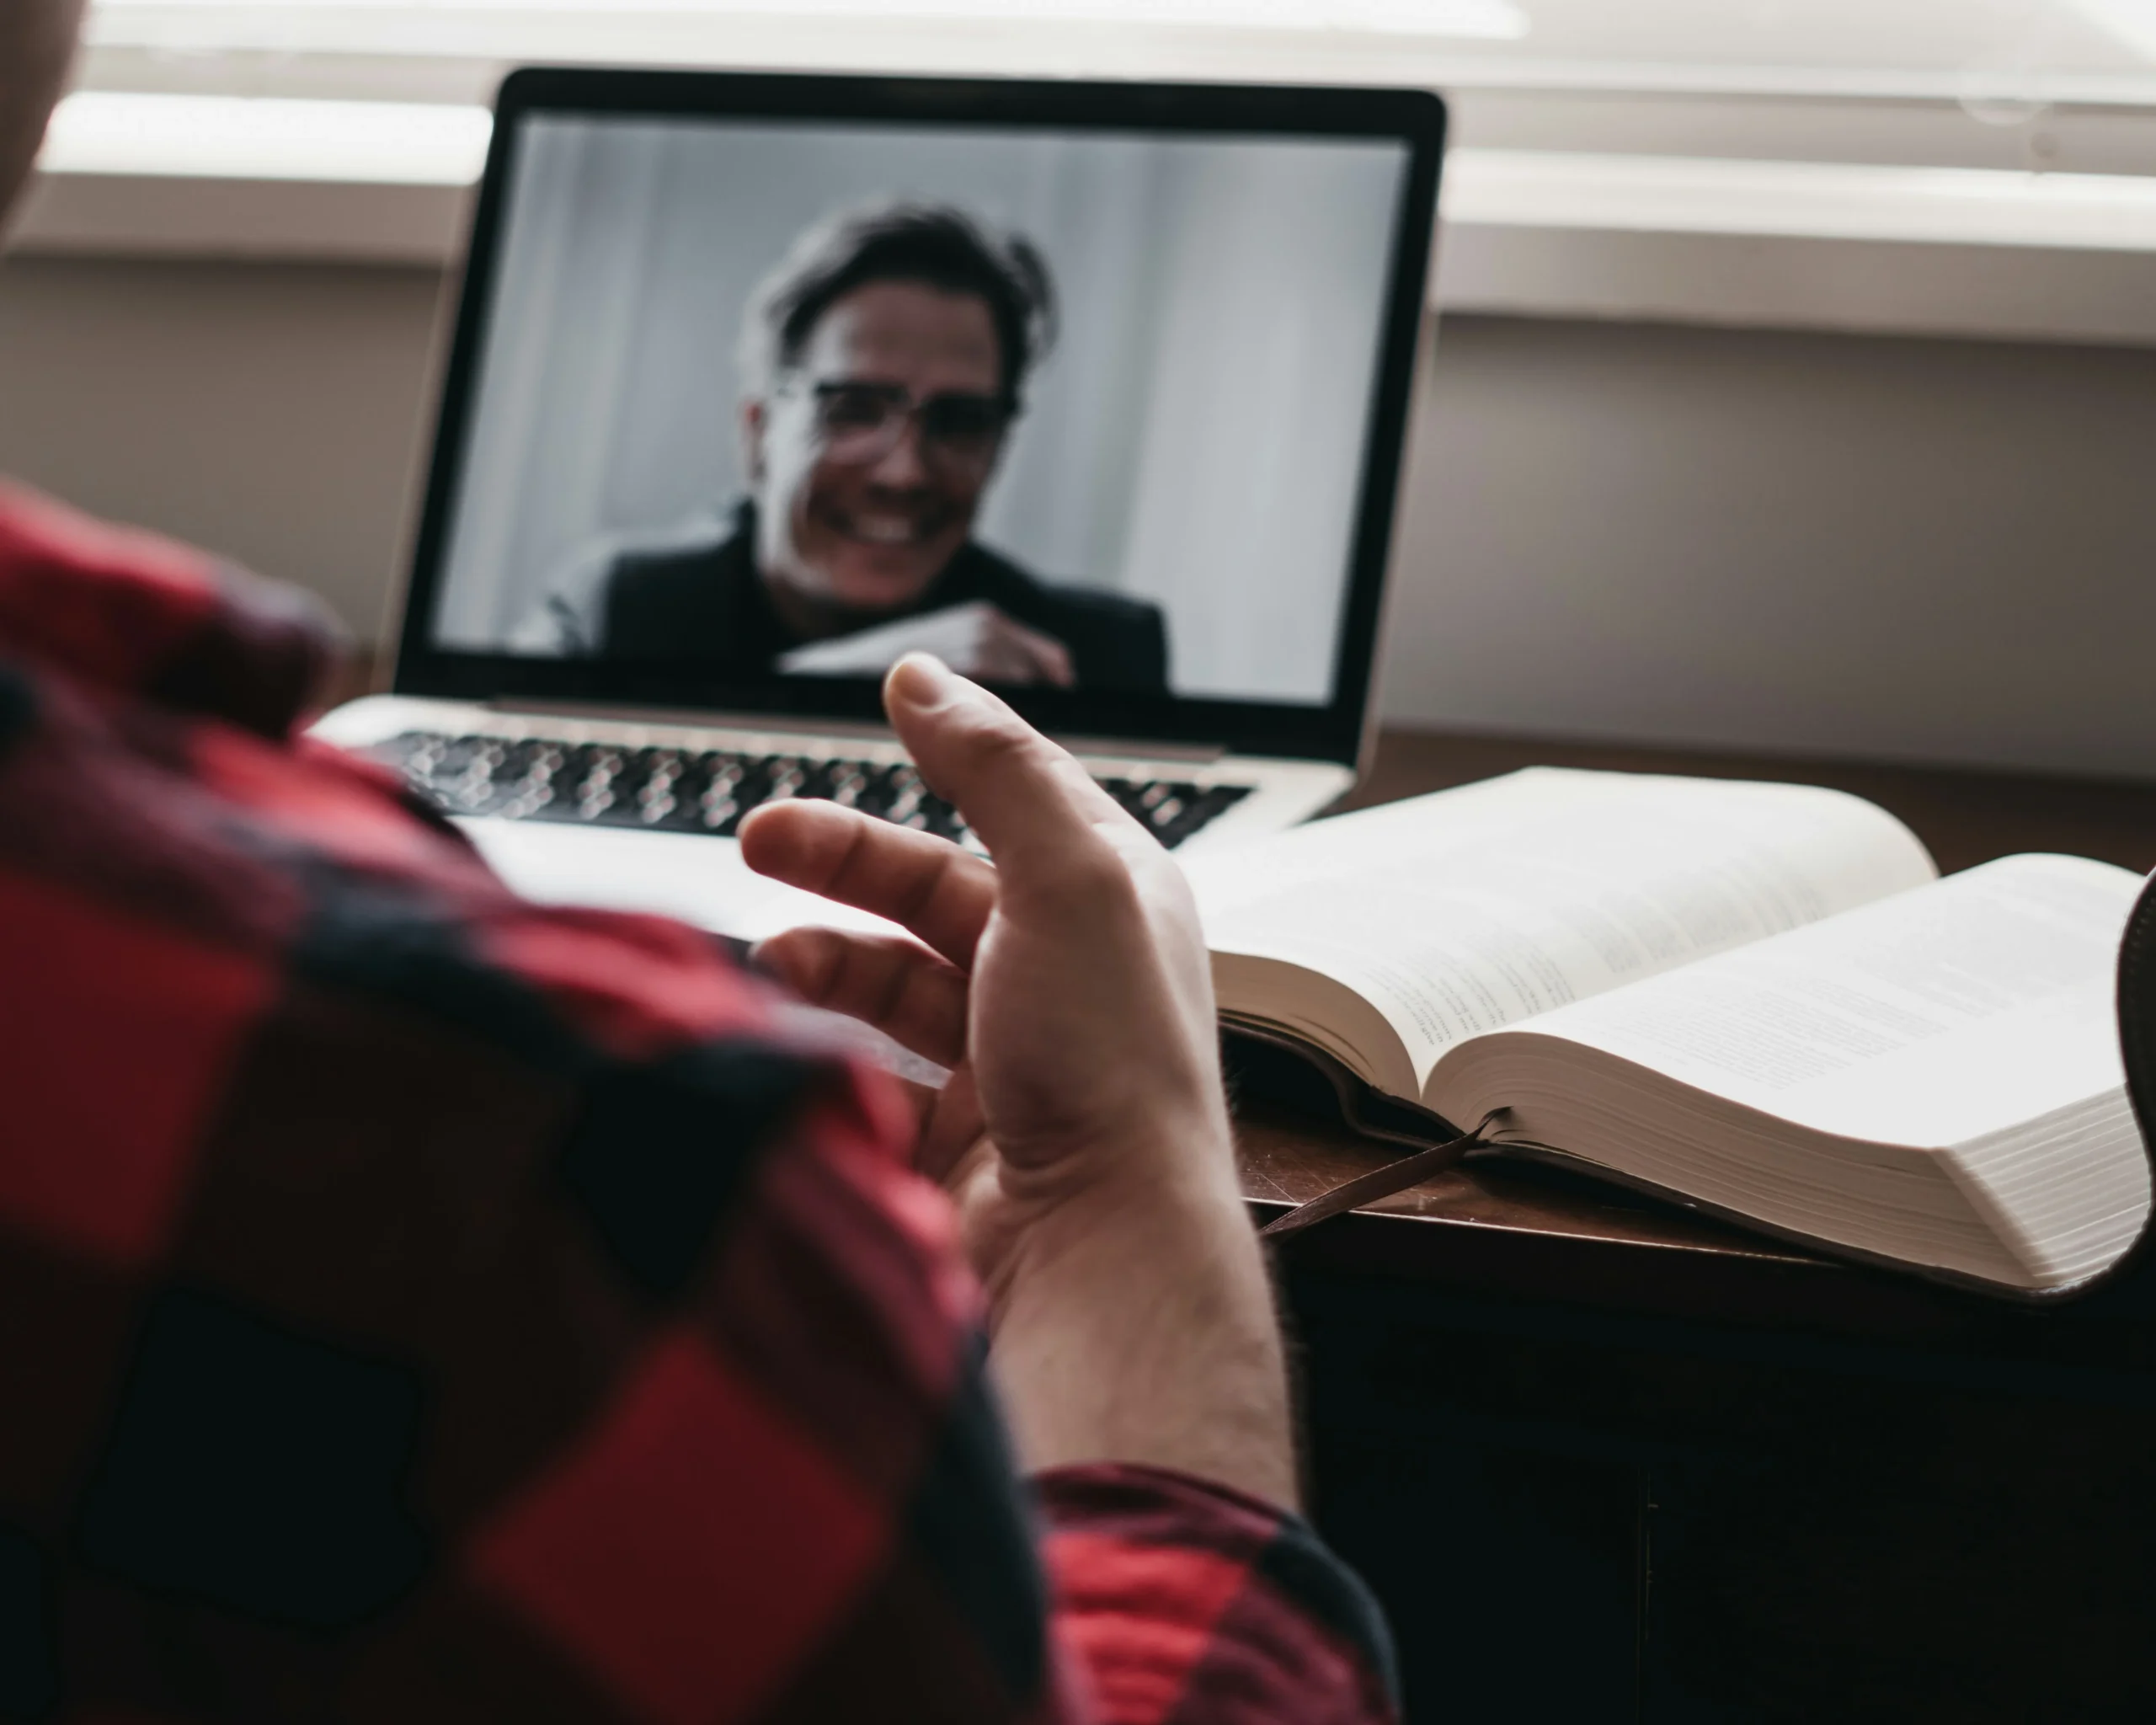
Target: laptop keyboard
(709, 790)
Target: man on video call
(883, 363)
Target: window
(1996, 54)
(2029, 125)
(2063, 85)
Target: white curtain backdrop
(1196, 439)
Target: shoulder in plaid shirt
(418, 1304)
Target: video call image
(1082, 411)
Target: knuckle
(848, 853)
(886, 976)
(1167, 892)
(993, 740)
(932, 873)
(1094, 877)
(1152, 883)
(809, 959)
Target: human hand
(1084, 1135)
(1067, 986)
(976, 639)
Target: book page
(1969, 1006)
(1472, 910)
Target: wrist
(1147, 1212)
(1135, 1322)
(1181, 1160)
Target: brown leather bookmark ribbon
(1382, 1182)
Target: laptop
(1097, 391)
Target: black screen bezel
(1415, 118)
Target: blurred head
(883, 362)
(37, 41)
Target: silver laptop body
(1098, 391)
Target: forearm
(1137, 1325)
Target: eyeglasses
(859, 424)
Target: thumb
(1028, 800)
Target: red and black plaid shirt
(418, 1304)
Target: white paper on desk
(952, 634)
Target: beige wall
(1925, 550)
(272, 414)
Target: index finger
(927, 885)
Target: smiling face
(835, 537)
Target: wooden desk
(1603, 1459)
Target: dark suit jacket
(706, 604)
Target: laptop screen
(754, 403)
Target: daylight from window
(2023, 124)
(1864, 46)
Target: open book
(1760, 999)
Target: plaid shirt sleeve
(417, 1303)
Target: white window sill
(1973, 252)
